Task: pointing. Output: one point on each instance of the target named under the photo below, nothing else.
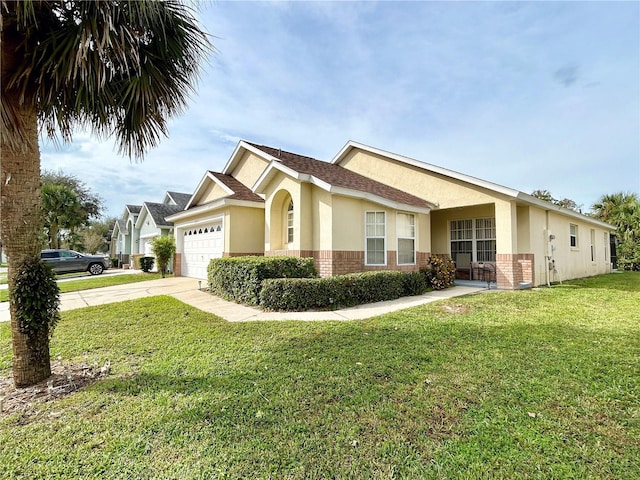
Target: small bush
(146, 263)
(163, 248)
(440, 273)
(115, 262)
(240, 278)
(341, 291)
(414, 283)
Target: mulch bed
(65, 379)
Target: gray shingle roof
(159, 211)
(134, 208)
(181, 199)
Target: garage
(200, 244)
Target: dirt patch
(455, 309)
(65, 379)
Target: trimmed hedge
(299, 294)
(240, 279)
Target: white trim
(217, 218)
(216, 204)
(366, 237)
(150, 235)
(235, 158)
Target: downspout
(547, 258)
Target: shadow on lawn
(623, 281)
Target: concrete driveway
(186, 290)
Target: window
(476, 237)
(593, 245)
(406, 232)
(290, 222)
(606, 246)
(485, 239)
(375, 251)
(573, 235)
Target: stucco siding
(444, 191)
(249, 169)
(212, 192)
(245, 230)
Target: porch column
(506, 243)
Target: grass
(96, 281)
(540, 384)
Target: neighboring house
(125, 238)
(140, 224)
(369, 210)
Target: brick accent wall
(340, 262)
(177, 264)
(511, 269)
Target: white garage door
(201, 244)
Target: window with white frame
(606, 246)
(375, 238)
(477, 237)
(406, 234)
(573, 235)
(593, 245)
(290, 222)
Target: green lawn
(539, 384)
(96, 282)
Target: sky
(541, 95)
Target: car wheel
(96, 269)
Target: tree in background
(622, 210)
(547, 197)
(91, 204)
(163, 248)
(118, 68)
(96, 236)
(61, 209)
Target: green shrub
(36, 297)
(440, 273)
(115, 262)
(146, 263)
(414, 283)
(163, 248)
(240, 278)
(331, 293)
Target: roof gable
(177, 198)
(336, 179)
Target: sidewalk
(186, 290)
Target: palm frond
(121, 68)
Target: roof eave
(215, 205)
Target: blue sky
(542, 95)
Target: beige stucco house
(369, 209)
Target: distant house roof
(338, 179)
(159, 211)
(122, 225)
(180, 199)
(134, 208)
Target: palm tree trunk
(21, 225)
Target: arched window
(290, 222)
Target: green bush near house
(146, 263)
(440, 273)
(240, 279)
(299, 294)
(163, 248)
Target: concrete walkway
(186, 290)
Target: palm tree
(120, 68)
(622, 210)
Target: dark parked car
(67, 261)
